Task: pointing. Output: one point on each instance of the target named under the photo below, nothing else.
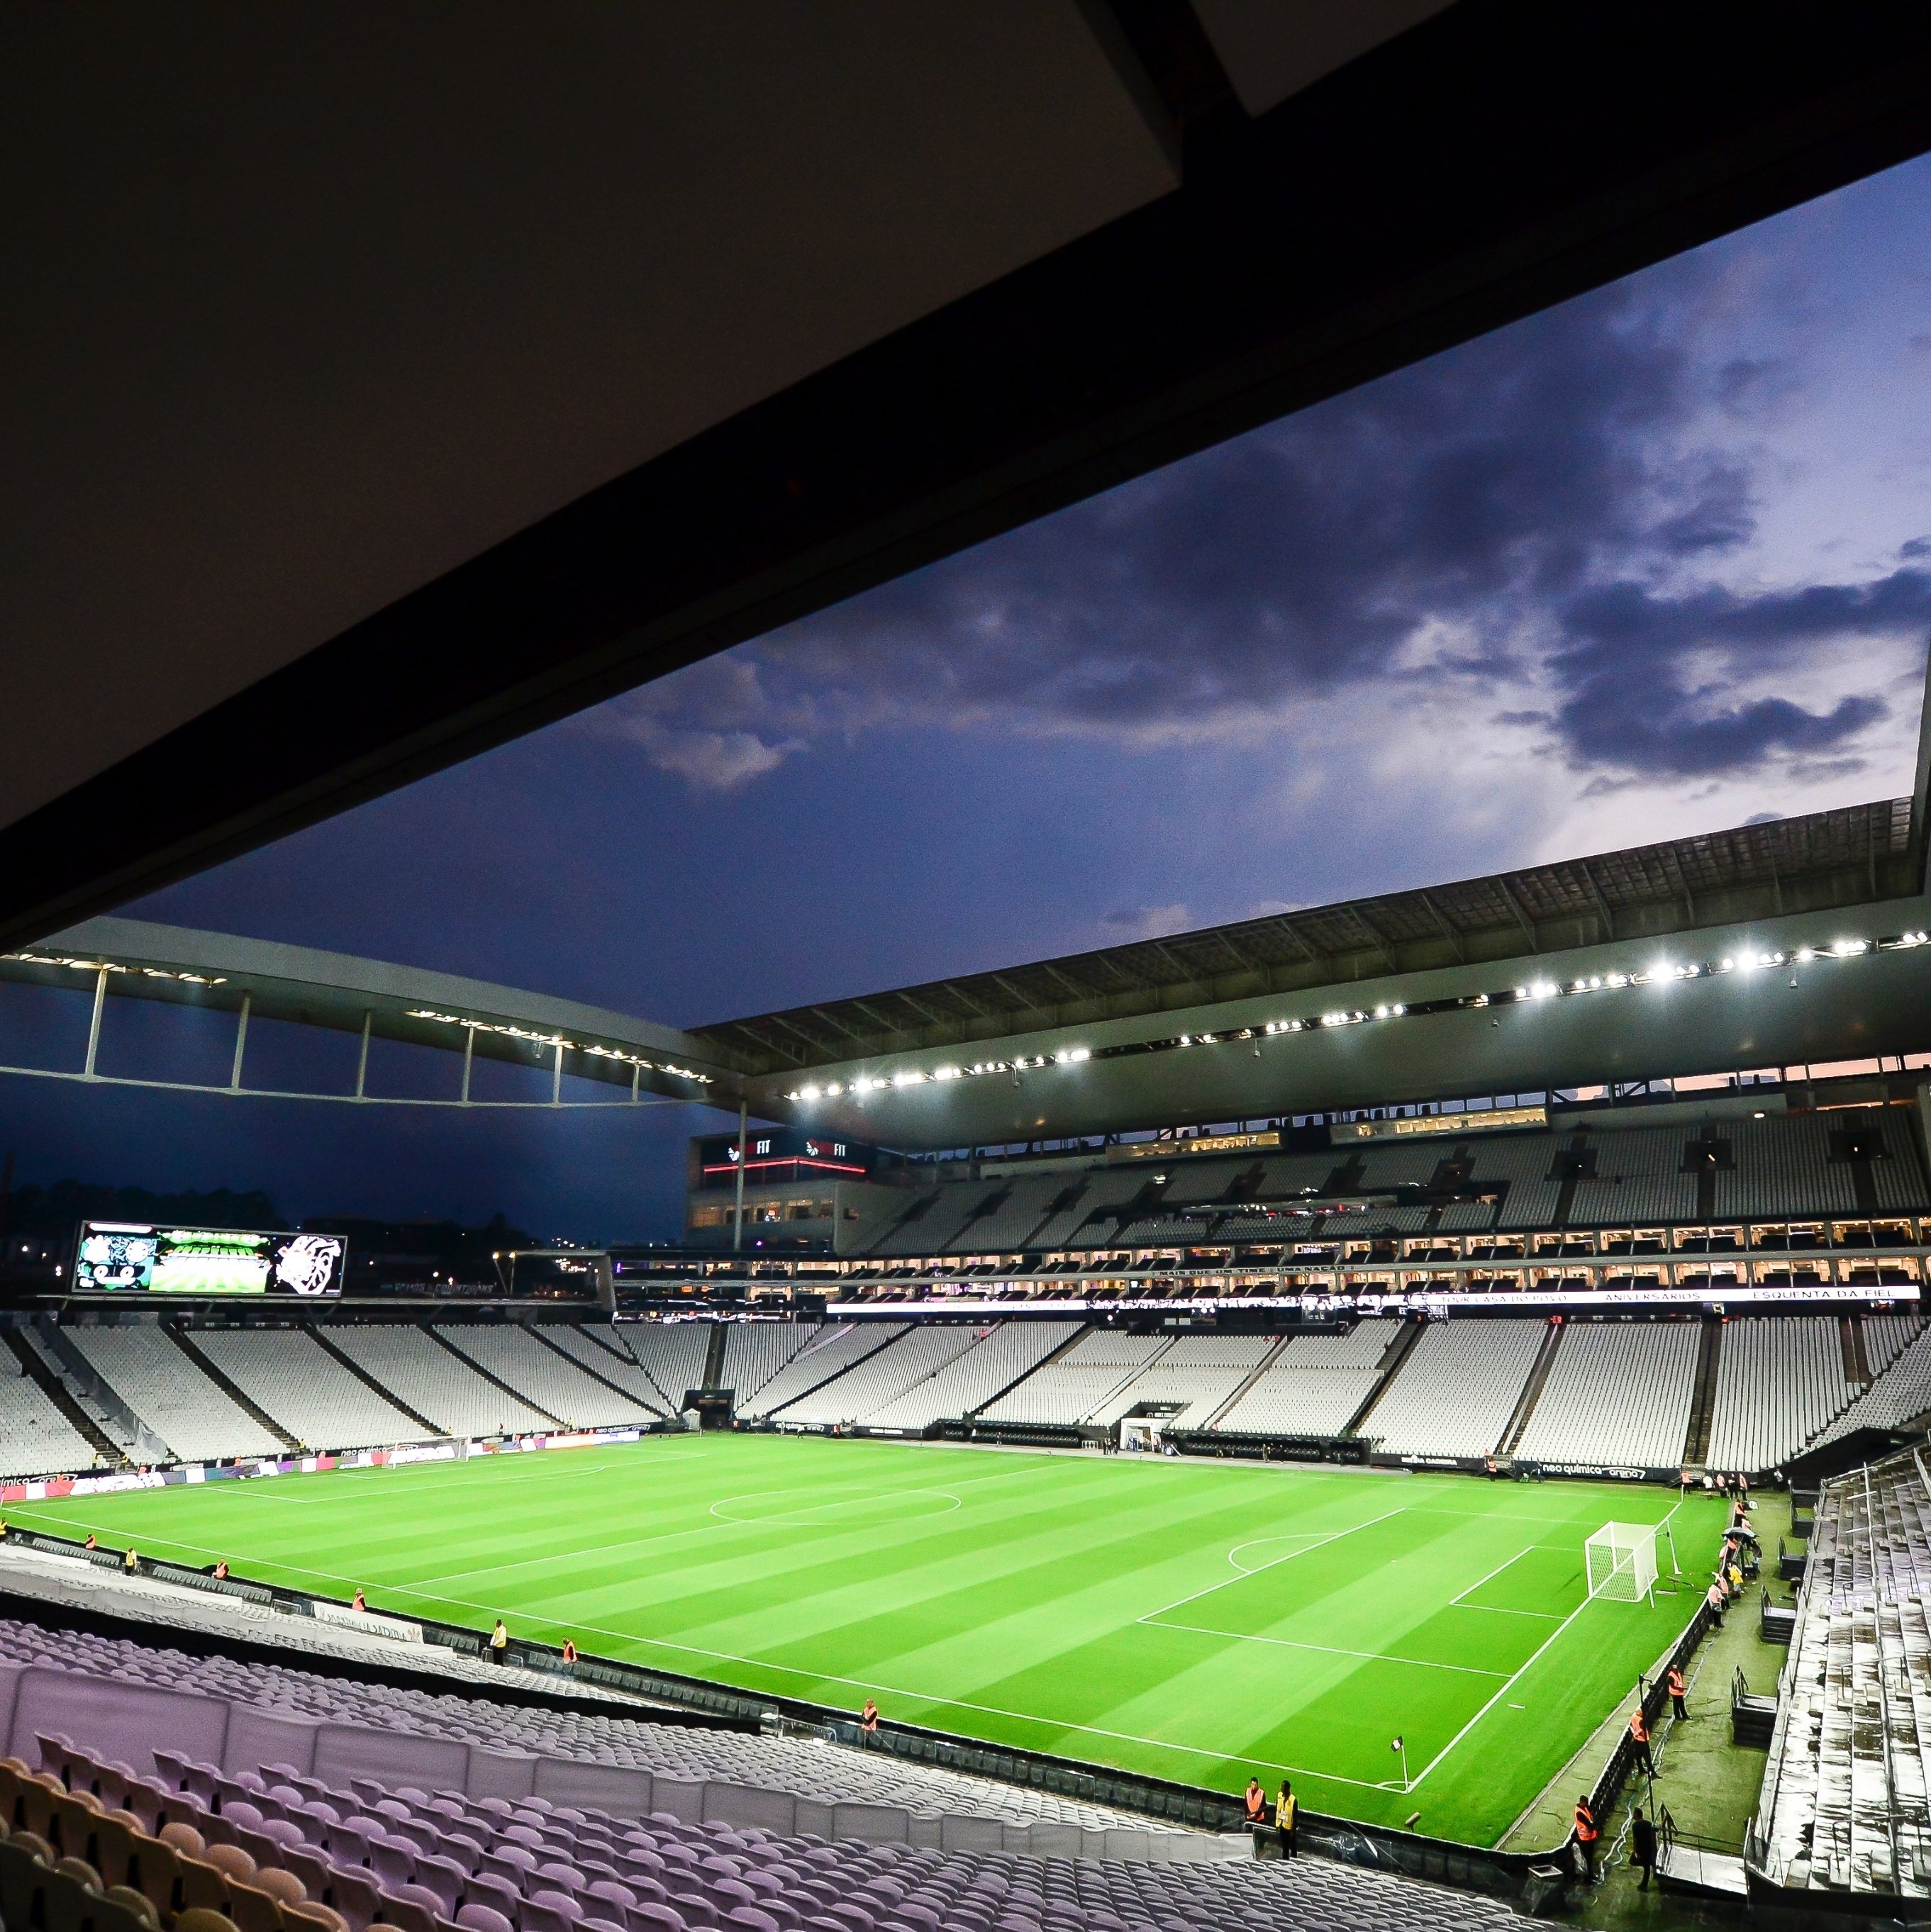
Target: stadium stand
(35, 1439)
(1618, 1393)
(69, 1579)
(613, 1363)
(1076, 1384)
(1900, 1395)
(1008, 1217)
(754, 1351)
(1314, 1386)
(287, 1372)
(435, 1381)
(912, 1356)
(833, 1351)
(1779, 1380)
(418, 1859)
(181, 1405)
(546, 1379)
(935, 1217)
(1843, 1804)
(1094, 1194)
(1886, 1337)
(1459, 1388)
(1612, 1175)
(676, 1762)
(1197, 1375)
(670, 1354)
(998, 1359)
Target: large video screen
(122, 1257)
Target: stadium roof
(390, 381)
(1800, 941)
(1819, 862)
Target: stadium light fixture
(1660, 971)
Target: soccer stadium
(1348, 1417)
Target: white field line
(939, 1699)
(1330, 1650)
(1496, 1610)
(872, 1686)
(1507, 1686)
(1154, 1616)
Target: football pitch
(1193, 1620)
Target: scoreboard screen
(128, 1257)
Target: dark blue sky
(1657, 561)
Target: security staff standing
(1586, 1836)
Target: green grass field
(1193, 1620)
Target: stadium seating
(1075, 1385)
(245, 1613)
(1197, 1375)
(552, 1381)
(1843, 1804)
(35, 1439)
(754, 1351)
(415, 1859)
(832, 1351)
(1619, 1393)
(607, 1358)
(671, 1355)
(428, 1739)
(176, 1401)
(434, 1382)
(1314, 1386)
(1901, 1393)
(289, 1374)
(1608, 1174)
(1458, 1389)
(999, 1358)
(1779, 1380)
(916, 1354)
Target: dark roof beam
(1450, 930)
(1381, 946)
(1515, 906)
(1603, 912)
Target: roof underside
(1852, 856)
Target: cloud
(1146, 922)
(1541, 520)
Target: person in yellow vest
(498, 1643)
(1639, 1740)
(1586, 1835)
(1286, 1810)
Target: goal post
(1623, 1562)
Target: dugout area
(1195, 1622)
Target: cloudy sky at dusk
(1656, 562)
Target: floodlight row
(1662, 972)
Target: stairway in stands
(1532, 1390)
(1396, 1352)
(1703, 1409)
(57, 1392)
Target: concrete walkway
(1708, 1785)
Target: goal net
(1623, 1562)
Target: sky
(1655, 562)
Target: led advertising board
(129, 1257)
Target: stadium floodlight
(1622, 1559)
